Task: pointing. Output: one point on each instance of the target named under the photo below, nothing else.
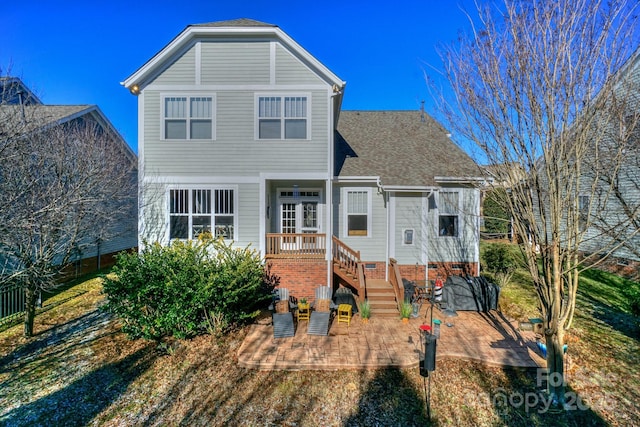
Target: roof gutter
(341, 179)
(460, 180)
(409, 188)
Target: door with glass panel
(300, 217)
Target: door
(299, 215)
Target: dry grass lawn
(80, 370)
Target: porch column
(262, 215)
(329, 230)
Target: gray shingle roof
(38, 116)
(398, 147)
(241, 22)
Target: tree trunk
(555, 366)
(29, 311)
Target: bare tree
(534, 86)
(62, 186)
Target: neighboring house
(93, 253)
(241, 134)
(615, 215)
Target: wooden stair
(382, 298)
(348, 270)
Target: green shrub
(496, 217)
(187, 288)
(498, 258)
(634, 302)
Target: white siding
(235, 62)
(181, 71)
(464, 247)
(235, 150)
(409, 215)
(289, 70)
(374, 246)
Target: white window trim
(190, 189)
(413, 238)
(188, 95)
(256, 111)
(345, 212)
(457, 214)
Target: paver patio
(384, 342)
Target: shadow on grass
(603, 296)
(59, 341)
(517, 396)
(79, 402)
(377, 406)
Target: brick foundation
(628, 269)
(300, 276)
(377, 272)
(412, 272)
(446, 269)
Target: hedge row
(187, 288)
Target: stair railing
(395, 278)
(349, 260)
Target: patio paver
(384, 342)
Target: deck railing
(12, 300)
(296, 245)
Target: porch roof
(400, 148)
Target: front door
(299, 214)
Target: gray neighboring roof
(45, 116)
(241, 22)
(398, 147)
(10, 90)
(42, 115)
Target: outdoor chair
(322, 310)
(324, 293)
(283, 326)
(282, 317)
(282, 301)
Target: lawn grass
(81, 365)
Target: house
(613, 203)
(242, 134)
(22, 112)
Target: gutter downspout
(329, 183)
(425, 234)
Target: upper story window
(196, 211)
(358, 212)
(448, 208)
(188, 117)
(282, 117)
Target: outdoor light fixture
(135, 90)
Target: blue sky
(78, 52)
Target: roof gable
(400, 147)
(14, 92)
(234, 29)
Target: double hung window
(448, 213)
(282, 117)
(197, 211)
(358, 212)
(188, 117)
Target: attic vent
(422, 118)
